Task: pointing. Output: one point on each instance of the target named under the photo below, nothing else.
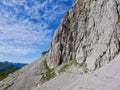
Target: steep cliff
(89, 34)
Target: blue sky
(27, 27)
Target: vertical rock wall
(88, 33)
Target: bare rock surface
(25, 78)
(105, 78)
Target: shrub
(44, 52)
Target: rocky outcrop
(89, 33)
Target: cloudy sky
(27, 27)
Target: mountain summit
(87, 39)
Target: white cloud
(1, 56)
(25, 24)
(20, 39)
(16, 50)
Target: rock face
(89, 34)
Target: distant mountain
(6, 66)
(19, 65)
(9, 67)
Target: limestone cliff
(89, 33)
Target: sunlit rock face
(88, 33)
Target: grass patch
(49, 73)
(118, 17)
(75, 63)
(64, 68)
(67, 65)
(5, 74)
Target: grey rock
(88, 33)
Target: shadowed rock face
(66, 38)
(89, 33)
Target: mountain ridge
(17, 64)
(7, 66)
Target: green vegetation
(118, 17)
(6, 67)
(49, 73)
(64, 67)
(75, 63)
(72, 62)
(5, 74)
(45, 52)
